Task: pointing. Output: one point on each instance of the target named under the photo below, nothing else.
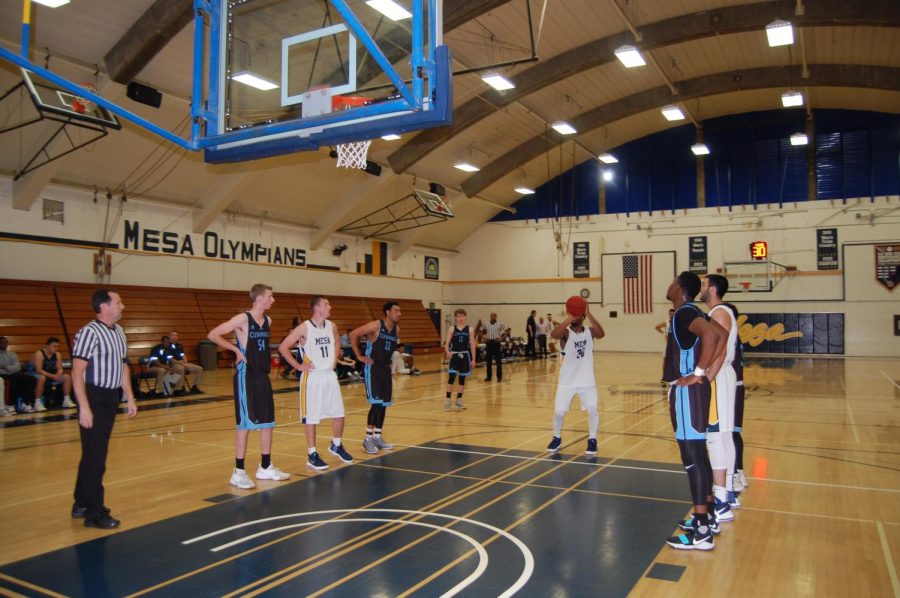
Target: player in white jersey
(576, 376)
(719, 432)
(320, 393)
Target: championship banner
(827, 249)
(432, 268)
(581, 259)
(697, 255)
(887, 260)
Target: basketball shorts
(254, 407)
(739, 407)
(460, 363)
(586, 394)
(320, 396)
(379, 385)
(689, 410)
(721, 407)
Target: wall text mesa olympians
(210, 245)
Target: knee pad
(462, 380)
(718, 455)
(451, 379)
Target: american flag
(637, 278)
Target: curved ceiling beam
(723, 21)
(820, 75)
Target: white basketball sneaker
(240, 479)
(271, 473)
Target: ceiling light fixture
(248, 78)
(607, 176)
(672, 113)
(390, 137)
(51, 3)
(390, 9)
(780, 33)
(790, 99)
(524, 190)
(629, 56)
(498, 81)
(564, 128)
(465, 167)
(608, 159)
(799, 139)
(700, 149)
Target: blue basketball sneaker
(723, 510)
(554, 445)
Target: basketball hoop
(84, 105)
(353, 154)
(745, 286)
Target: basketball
(576, 306)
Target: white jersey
(578, 360)
(732, 334)
(319, 346)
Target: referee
(100, 376)
(493, 332)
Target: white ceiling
(306, 188)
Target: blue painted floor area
(589, 528)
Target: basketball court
(184, 151)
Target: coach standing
(100, 376)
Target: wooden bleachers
(31, 315)
(28, 315)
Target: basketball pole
(26, 27)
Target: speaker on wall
(144, 94)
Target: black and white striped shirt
(493, 331)
(104, 348)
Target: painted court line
(852, 423)
(894, 382)
(888, 558)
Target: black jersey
(738, 363)
(49, 362)
(459, 340)
(682, 346)
(383, 347)
(257, 350)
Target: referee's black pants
(494, 353)
(104, 403)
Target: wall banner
(697, 262)
(581, 259)
(432, 268)
(827, 248)
(887, 265)
(816, 333)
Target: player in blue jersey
(460, 350)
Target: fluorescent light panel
(608, 159)
(390, 9)
(700, 149)
(51, 3)
(789, 99)
(564, 128)
(629, 56)
(672, 113)
(248, 78)
(465, 167)
(524, 190)
(390, 137)
(799, 139)
(780, 33)
(498, 82)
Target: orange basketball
(576, 306)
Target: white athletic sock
(311, 450)
(377, 432)
(336, 441)
(593, 422)
(720, 493)
(558, 422)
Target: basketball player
(254, 408)
(382, 337)
(694, 345)
(719, 438)
(740, 480)
(460, 350)
(320, 392)
(576, 375)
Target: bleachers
(30, 315)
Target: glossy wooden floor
(821, 515)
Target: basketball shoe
(554, 445)
(341, 453)
(591, 447)
(733, 501)
(369, 445)
(723, 510)
(240, 479)
(382, 444)
(314, 461)
(271, 473)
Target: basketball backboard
(759, 276)
(298, 74)
(433, 204)
(51, 98)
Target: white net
(353, 154)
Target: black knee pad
(462, 380)
(451, 379)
